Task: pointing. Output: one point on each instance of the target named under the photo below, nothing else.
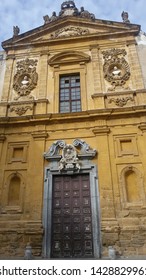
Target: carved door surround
(75, 162)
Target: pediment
(68, 57)
(67, 28)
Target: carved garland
(25, 80)
(116, 69)
(120, 101)
(21, 109)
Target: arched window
(14, 191)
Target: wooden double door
(71, 231)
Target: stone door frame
(76, 159)
(50, 171)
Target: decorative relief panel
(17, 152)
(126, 145)
(26, 77)
(21, 109)
(70, 31)
(120, 101)
(70, 159)
(116, 68)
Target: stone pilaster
(96, 64)
(136, 73)
(8, 77)
(43, 74)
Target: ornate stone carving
(48, 19)
(55, 148)
(70, 31)
(25, 80)
(86, 14)
(69, 160)
(21, 110)
(85, 148)
(116, 69)
(120, 101)
(68, 8)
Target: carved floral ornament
(26, 77)
(21, 110)
(70, 158)
(116, 69)
(121, 101)
(70, 31)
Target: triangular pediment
(69, 27)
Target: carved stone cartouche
(69, 160)
(26, 77)
(116, 69)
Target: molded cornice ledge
(2, 138)
(101, 130)
(142, 127)
(37, 135)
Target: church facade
(72, 138)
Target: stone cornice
(4, 103)
(101, 130)
(142, 127)
(38, 135)
(93, 115)
(116, 93)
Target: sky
(28, 14)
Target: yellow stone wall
(118, 133)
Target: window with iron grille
(70, 98)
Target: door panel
(71, 217)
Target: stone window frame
(12, 209)
(139, 175)
(83, 91)
(69, 63)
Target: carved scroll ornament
(116, 69)
(26, 77)
(69, 160)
